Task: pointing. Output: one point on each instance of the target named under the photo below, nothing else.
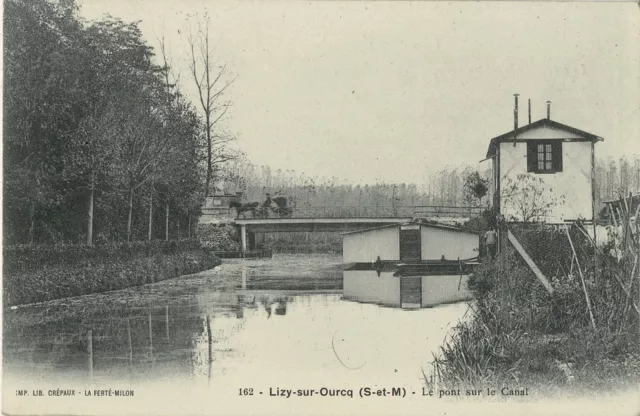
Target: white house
(559, 155)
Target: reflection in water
(209, 345)
(210, 338)
(281, 307)
(206, 330)
(389, 289)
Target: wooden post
(593, 207)
(210, 340)
(613, 216)
(584, 286)
(90, 354)
(460, 266)
(243, 237)
(530, 262)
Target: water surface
(194, 344)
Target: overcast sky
(393, 91)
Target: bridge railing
(446, 211)
(352, 212)
(372, 212)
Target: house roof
(494, 144)
(422, 223)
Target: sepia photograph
(320, 208)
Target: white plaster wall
(437, 242)
(367, 286)
(444, 289)
(574, 182)
(366, 246)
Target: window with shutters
(544, 156)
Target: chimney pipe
(548, 110)
(529, 110)
(515, 112)
(515, 119)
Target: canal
(226, 341)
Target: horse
(282, 209)
(242, 208)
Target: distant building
(612, 212)
(562, 156)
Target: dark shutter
(556, 150)
(532, 157)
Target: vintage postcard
(320, 208)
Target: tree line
(617, 177)
(445, 187)
(450, 186)
(99, 143)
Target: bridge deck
(341, 219)
(364, 212)
(269, 225)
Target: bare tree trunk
(90, 210)
(150, 216)
(209, 160)
(129, 216)
(32, 221)
(208, 77)
(166, 225)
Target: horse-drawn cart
(278, 206)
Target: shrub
(520, 334)
(76, 270)
(219, 238)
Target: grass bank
(583, 337)
(41, 273)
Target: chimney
(529, 110)
(515, 118)
(548, 110)
(515, 112)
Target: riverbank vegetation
(583, 336)
(40, 273)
